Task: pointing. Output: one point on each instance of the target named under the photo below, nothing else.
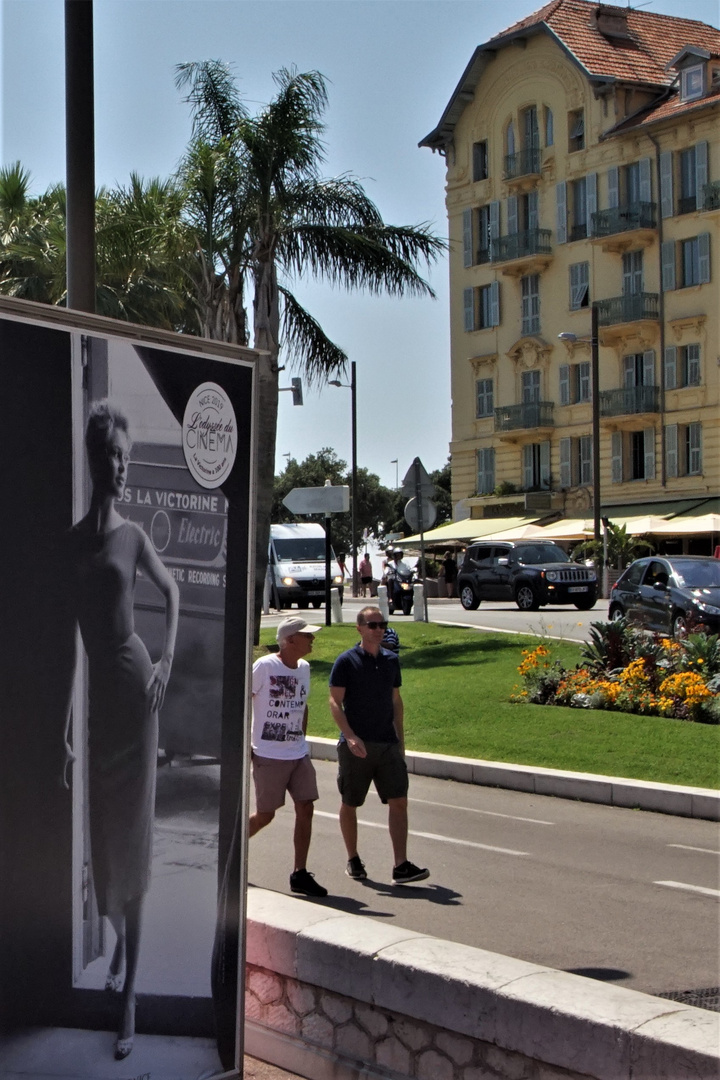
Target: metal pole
(595, 373)
(328, 581)
(353, 505)
(421, 530)
(80, 155)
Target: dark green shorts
(384, 766)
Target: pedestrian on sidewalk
(280, 753)
(366, 705)
(366, 574)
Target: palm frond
(309, 347)
(213, 97)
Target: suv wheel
(586, 603)
(468, 599)
(525, 598)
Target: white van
(296, 564)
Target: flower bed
(629, 671)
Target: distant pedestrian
(280, 755)
(450, 570)
(366, 574)
(366, 705)
(391, 640)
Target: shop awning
(461, 532)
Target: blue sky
(392, 66)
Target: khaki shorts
(384, 766)
(273, 777)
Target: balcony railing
(524, 163)
(618, 219)
(635, 307)
(483, 255)
(532, 414)
(517, 245)
(711, 196)
(627, 400)
(687, 204)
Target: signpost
(325, 500)
(420, 512)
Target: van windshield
(301, 549)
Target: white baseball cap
(293, 624)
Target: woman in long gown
(126, 690)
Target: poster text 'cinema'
(204, 432)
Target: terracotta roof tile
(653, 39)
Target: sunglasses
(375, 625)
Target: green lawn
(456, 688)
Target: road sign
(318, 500)
(429, 514)
(417, 471)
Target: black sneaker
(303, 882)
(407, 872)
(356, 869)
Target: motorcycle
(400, 581)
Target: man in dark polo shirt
(366, 705)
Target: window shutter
(629, 371)
(693, 365)
(704, 257)
(495, 303)
(527, 467)
(645, 180)
(694, 465)
(585, 459)
(671, 450)
(494, 220)
(467, 237)
(532, 210)
(617, 462)
(649, 439)
(670, 367)
(668, 265)
(565, 463)
(512, 215)
(649, 367)
(613, 186)
(545, 464)
(590, 200)
(561, 211)
(666, 184)
(564, 384)
(701, 173)
(469, 306)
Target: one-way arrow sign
(318, 500)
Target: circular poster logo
(209, 435)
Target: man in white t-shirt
(280, 756)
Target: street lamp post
(595, 402)
(395, 463)
(353, 503)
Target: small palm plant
(623, 547)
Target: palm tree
(263, 216)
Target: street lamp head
(567, 335)
(334, 382)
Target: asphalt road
(620, 895)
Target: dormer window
(691, 82)
(576, 130)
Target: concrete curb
(587, 787)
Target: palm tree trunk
(266, 336)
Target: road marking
(689, 888)
(490, 813)
(687, 847)
(431, 836)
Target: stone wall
(332, 996)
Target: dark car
(670, 594)
(532, 573)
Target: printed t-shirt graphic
(279, 700)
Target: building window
(579, 286)
(574, 383)
(481, 307)
(682, 366)
(576, 130)
(484, 234)
(530, 286)
(484, 397)
(576, 461)
(480, 160)
(632, 268)
(536, 466)
(578, 230)
(510, 139)
(691, 82)
(486, 471)
(683, 449)
(549, 127)
(687, 201)
(531, 387)
(686, 262)
(633, 455)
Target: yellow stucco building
(583, 168)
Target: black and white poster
(126, 558)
